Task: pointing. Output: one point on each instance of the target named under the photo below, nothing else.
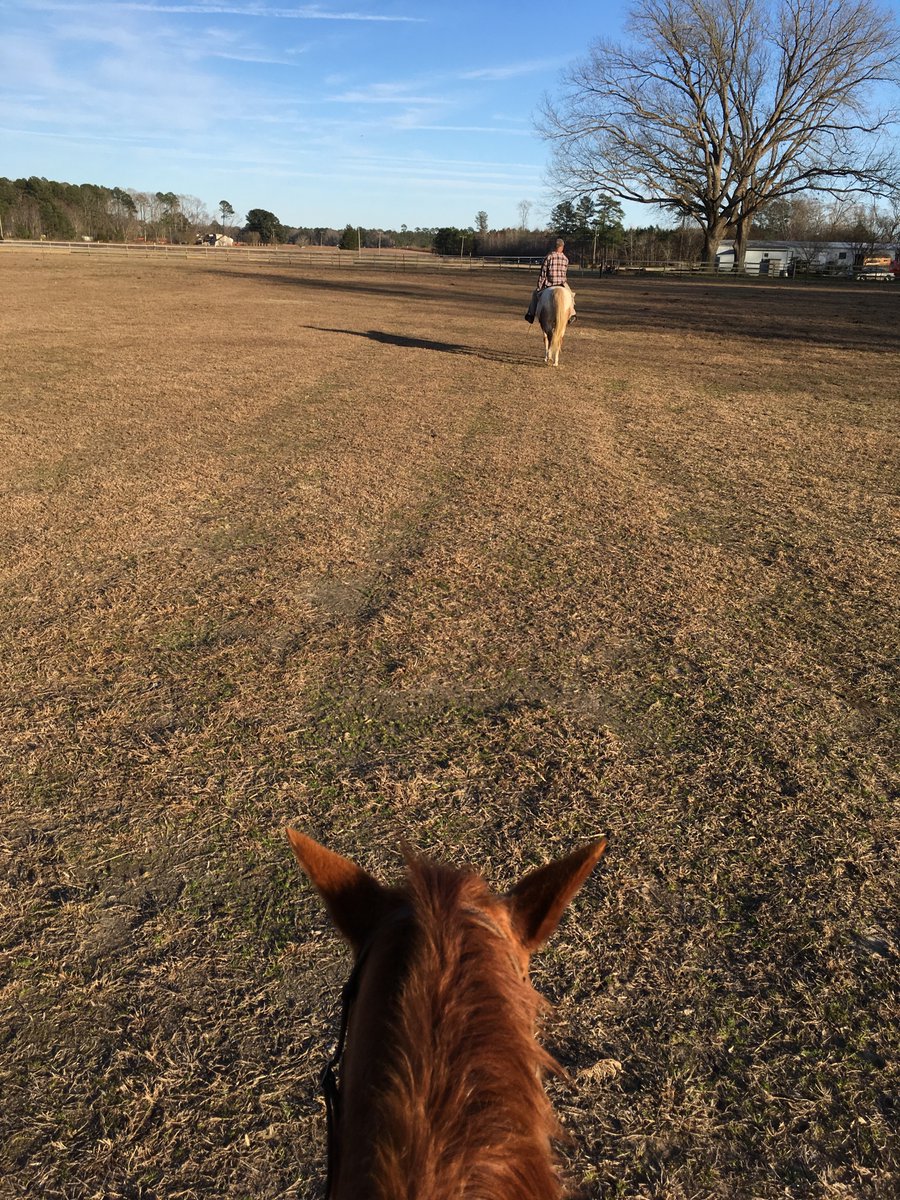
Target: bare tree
(194, 212)
(715, 108)
(793, 219)
(524, 209)
(142, 206)
(866, 228)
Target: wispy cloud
(344, 165)
(383, 93)
(466, 129)
(80, 137)
(423, 161)
(307, 13)
(234, 46)
(265, 59)
(513, 70)
(400, 93)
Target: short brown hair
(559, 243)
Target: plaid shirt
(553, 270)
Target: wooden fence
(288, 256)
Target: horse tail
(556, 333)
(560, 319)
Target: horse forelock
(463, 1109)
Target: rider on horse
(553, 274)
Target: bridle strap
(329, 1082)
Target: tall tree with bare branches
(715, 108)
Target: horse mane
(463, 1112)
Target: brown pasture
(340, 551)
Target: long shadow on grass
(750, 311)
(416, 286)
(414, 343)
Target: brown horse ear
(538, 901)
(355, 901)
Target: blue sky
(376, 112)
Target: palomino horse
(440, 1096)
(554, 308)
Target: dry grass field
(342, 552)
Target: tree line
(592, 225)
(37, 207)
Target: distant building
(785, 258)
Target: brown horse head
(440, 1084)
